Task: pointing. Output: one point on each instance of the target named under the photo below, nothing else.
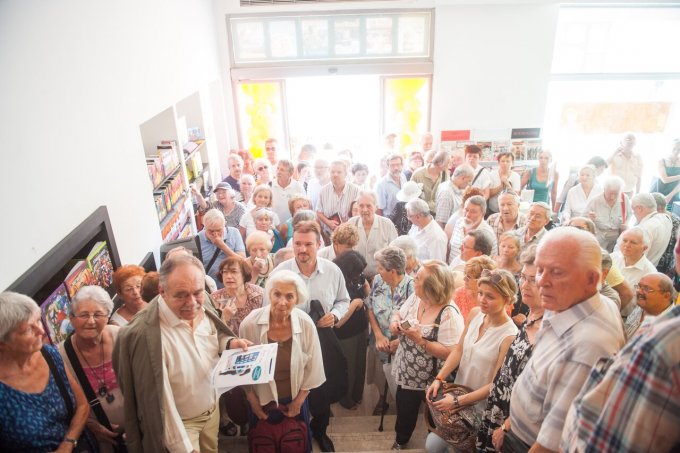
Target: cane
(384, 404)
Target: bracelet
(456, 403)
(71, 441)
(438, 378)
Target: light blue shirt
(386, 190)
(232, 238)
(326, 284)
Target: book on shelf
(189, 147)
(99, 262)
(55, 314)
(79, 276)
(155, 168)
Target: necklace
(533, 321)
(103, 389)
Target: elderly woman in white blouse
(299, 365)
(580, 195)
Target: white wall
(78, 78)
(492, 66)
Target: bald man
(579, 327)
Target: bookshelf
(178, 153)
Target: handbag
(456, 426)
(92, 399)
(85, 443)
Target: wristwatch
(72, 441)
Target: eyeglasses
(645, 289)
(262, 168)
(525, 278)
(96, 316)
(130, 289)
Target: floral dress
(498, 402)
(384, 302)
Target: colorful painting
(55, 311)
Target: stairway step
(369, 423)
(367, 441)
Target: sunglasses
(494, 276)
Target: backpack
(278, 434)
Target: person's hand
(413, 333)
(102, 434)
(382, 343)
(259, 412)
(394, 327)
(356, 304)
(497, 439)
(228, 308)
(433, 389)
(194, 189)
(394, 344)
(292, 409)
(445, 403)
(258, 265)
(327, 320)
(240, 343)
(592, 215)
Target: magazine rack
(50, 271)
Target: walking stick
(384, 404)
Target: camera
(405, 325)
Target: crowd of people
(545, 326)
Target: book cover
(55, 310)
(79, 276)
(99, 262)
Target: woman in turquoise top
(295, 203)
(542, 180)
(668, 180)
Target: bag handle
(92, 399)
(60, 382)
(212, 260)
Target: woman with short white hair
(88, 356)
(299, 365)
(42, 407)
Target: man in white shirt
(336, 197)
(283, 188)
(375, 232)
(630, 258)
(579, 327)
(427, 234)
(627, 165)
(322, 177)
(164, 360)
(657, 226)
(271, 150)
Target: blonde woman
(480, 353)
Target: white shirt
(248, 222)
(483, 181)
(480, 354)
(380, 235)
(658, 227)
(495, 181)
(575, 205)
(189, 357)
(431, 241)
(326, 284)
(281, 195)
(567, 346)
(306, 363)
(313, 191)
(635, 272)
(327, 252)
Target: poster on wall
(523, 143)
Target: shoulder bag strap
(60, 383)
(477, 175)
(435, 335)
(212, 260)
(92, 399)
(623, 208)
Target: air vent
(292, 2)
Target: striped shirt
(567, 346)
(495, 221)
(449, 199)
(331, 203)
(631, 402)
